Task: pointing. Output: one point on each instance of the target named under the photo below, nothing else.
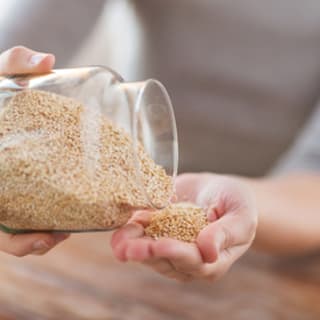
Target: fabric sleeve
(304, 154)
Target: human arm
(287, 209)
(289, 213)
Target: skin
(289, 213)
(20, 60)
(287, 209)
(232, 214)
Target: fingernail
(134, 230)
(37, 58)
(40, 245)
(58, 237)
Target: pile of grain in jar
(64, 166)
(181, 221)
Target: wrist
(288, 219)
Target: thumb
(233, 229)
(187, 187)
(21, 60)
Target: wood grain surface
(81, 280)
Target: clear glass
(143, 109)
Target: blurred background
(244, 78)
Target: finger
(127, 232)
(187, 187)
(231, 255)
(182, 257)
(164, 267)
(142, 217)
(21, 60)
(120, 239)
(201, 190)
(226, 259)
(229, 231)
(35, 243)
(171, 258)
(139, 250)
(185, 257)
(160, 265)
(58, 238)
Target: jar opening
(154, 126)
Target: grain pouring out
(61, 169)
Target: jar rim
(168, 109)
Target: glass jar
(80, 149)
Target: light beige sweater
(244, 76)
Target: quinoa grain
(64, 166)
(181, 221)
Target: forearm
(289, 213)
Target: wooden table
(81, 280)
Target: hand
(20, 60)
(233, 220)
